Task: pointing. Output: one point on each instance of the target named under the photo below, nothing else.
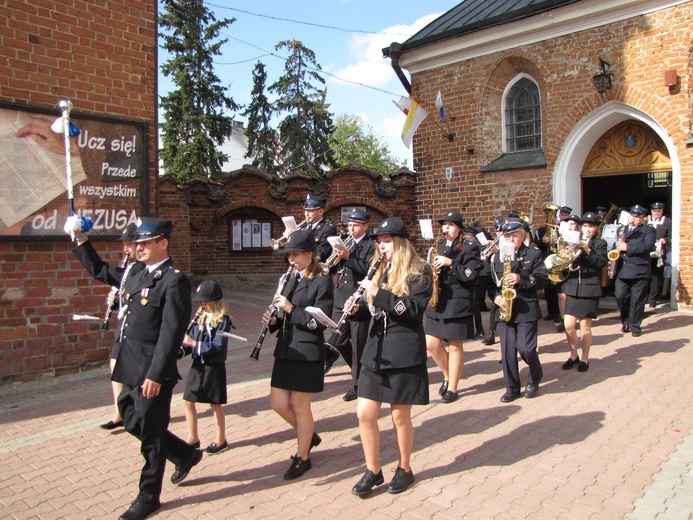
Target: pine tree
(262, 138)
(195, 121)
(305, 131)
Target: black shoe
(548, 317)
(110, 425)
(184, 467)
(298, 467)
(489, 339)
(531, 390)
(401, 481)
(509, 397)
(195, 444)
(625, 329)
(637, 333)
(570, 363)
(350, 395)
(443, 388)
(583, 367)
(332, 356)
(315, 440)
(560, 328)
(557, 318)
(479, 335)
(213, 449)
(139, 510)
(367, 482)
(450, 397)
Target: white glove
(77, 224)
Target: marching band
(391, 308)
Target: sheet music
(290, 223)
(323, 318)
(426, 226)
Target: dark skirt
(450, 328)
(581, 307)
(298, 376)
(206, 383)
(395, 386)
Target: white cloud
(368, 66)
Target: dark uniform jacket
(320, 232)
(152, 330)
(585, 272)
(456, 283)
(533, 276)
(353, 271)
(300, 335)
(210, 347)
(396, 338)
(635, 263)
(663, 230)
(539, 234)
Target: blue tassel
(74, 130)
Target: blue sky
(355, 56)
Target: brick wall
(639, 50)
(102, 56)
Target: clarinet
(283, 280)
(331, 342)
(111, 298)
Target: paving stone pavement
(613, 442)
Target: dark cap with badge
(392, 226)
(600, 209)
(574, 218)
(128, 234)
(151, 228)
(358, 216)
(565, 210)
(314, 202)
(638, 211)
(657, 206)
(299, 241)
(455, 217)
(208, 291)
(498, 224)
(512, 225)
(470, 231)
(590, 217)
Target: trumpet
(487, 252)
(278, 243)
(334, 258)
(283, 280)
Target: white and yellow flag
(415, 115)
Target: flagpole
(66, 107)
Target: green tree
(195, 121)
(352, 141)
(305, 130)
(262, 138)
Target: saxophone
(614, 254)
(507, 291)
(432, 252)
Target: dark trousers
(656, 282)
(630, 297)
(551, 296)
(350, 344)
(147, 419)
(493, 314)
(522, 338)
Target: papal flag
(415, 115)
(440, 106)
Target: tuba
(551, 226)
(610, 215)
(558, 264)
(278, 243)
(432, 252)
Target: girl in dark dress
(299, 357)
(394, 358)
(207, 376)
(582, 291)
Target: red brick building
(575, 146)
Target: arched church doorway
(628, 165)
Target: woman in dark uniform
(394, 358)
(300, 351)
(452, 319)
(582, 291)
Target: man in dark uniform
(353, 268)
(519, 334)
(601, 213)
(633, 279)
(314, 211)
(158, 298)
(662, 226)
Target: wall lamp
(602, 81)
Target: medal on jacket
(144, 293)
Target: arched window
(522, 117)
